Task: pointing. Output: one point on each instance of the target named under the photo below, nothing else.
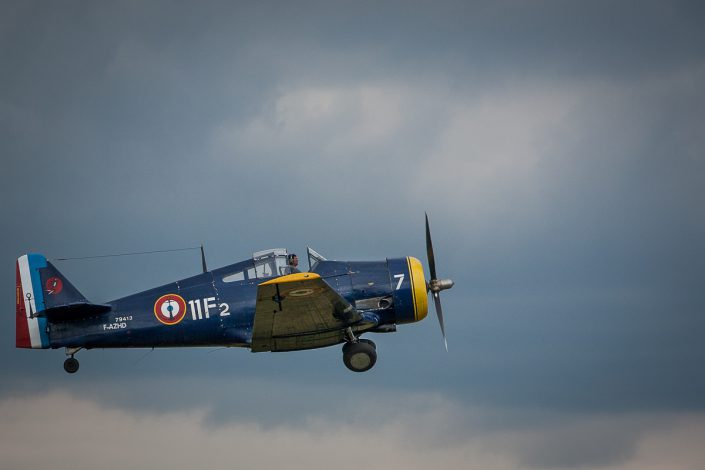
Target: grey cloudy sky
(559, 148)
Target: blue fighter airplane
(263, 303)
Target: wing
(299, 311)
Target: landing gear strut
(71, 364)
(359, 355)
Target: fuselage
(217, 308)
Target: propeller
(435, 285)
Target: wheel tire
(71, 365)
(360, 356)
(346, 347)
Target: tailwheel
(360, 356)
(71, 365)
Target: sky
(558, 148)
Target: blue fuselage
(218, 306)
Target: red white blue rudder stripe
(31, 328)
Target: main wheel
(71, 365)
(346, 346)
(360, 356)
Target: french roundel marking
(301, 292)
(170, 309)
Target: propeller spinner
(435, 285)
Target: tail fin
(40, 287)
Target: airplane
(263, 303)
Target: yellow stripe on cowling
(292, 278)
(411, 283)
(418, 288)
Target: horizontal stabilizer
(75, 311)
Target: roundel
(301, 292)
(170, 309)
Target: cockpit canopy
(270, 263)
(275, 262)
(265, 264)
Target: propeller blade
(439, 312)
(429, 251)
(434, 285)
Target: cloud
(414, 143)
(65, 431)
(370, 126)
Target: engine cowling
(408, 289)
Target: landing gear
(359, 355)
(71, 364)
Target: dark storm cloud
(557, 146)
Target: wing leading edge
(299, 311)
